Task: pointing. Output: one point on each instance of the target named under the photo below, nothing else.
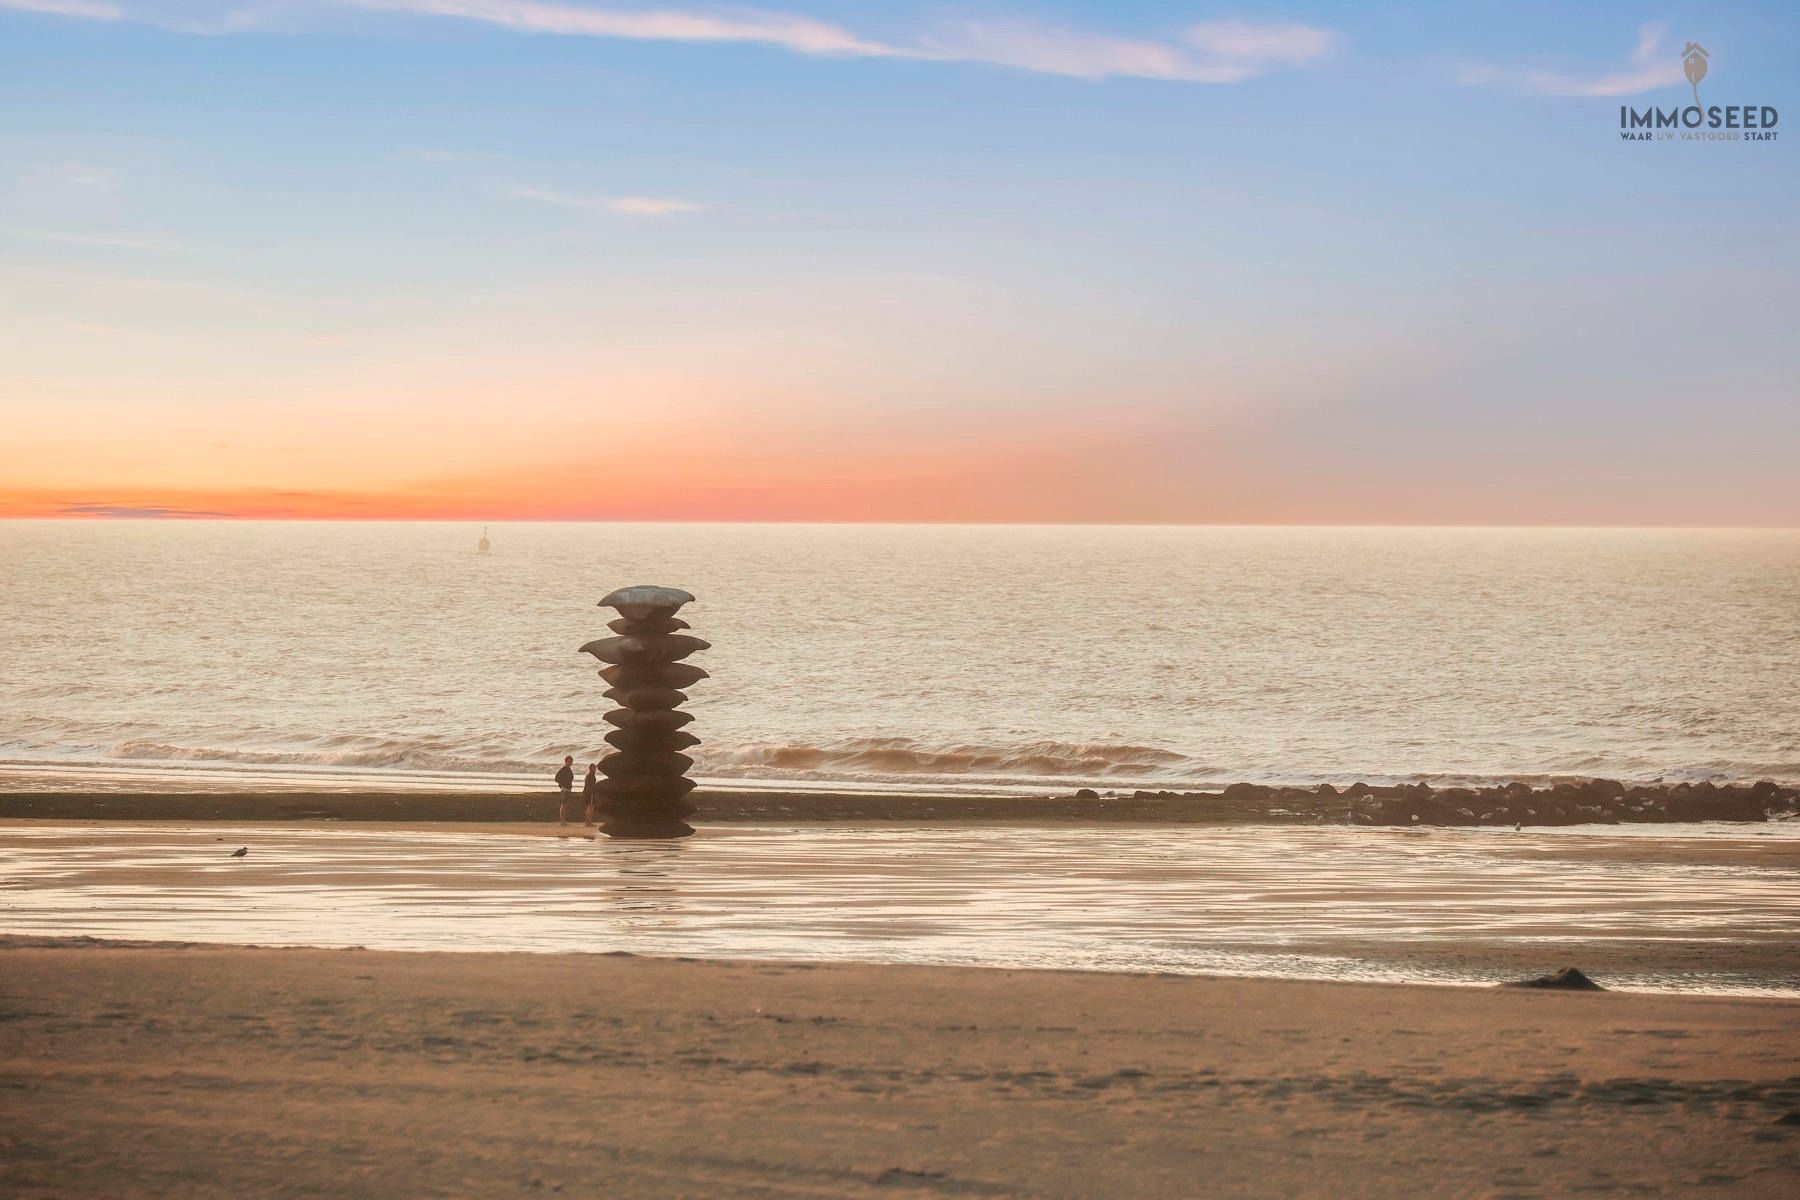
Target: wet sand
(1708, 911)
(232, 1072)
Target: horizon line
(207, 519)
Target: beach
(773, 1010)
(1200, 876)
(169, 1070)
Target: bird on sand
(240, 852)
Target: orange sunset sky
(1090, 263)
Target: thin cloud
(1215, 52)
(139, 512)
(1047, 50)
(1259, 45)
(650, 206)
(87, 10)
(105, 240)
(634, 206)
(1652, 66)
(802, 35)
(1211, 52)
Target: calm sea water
(909, 656)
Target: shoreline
(177, 1071)
(1590, 802)
(1524, 961)
(1747, 972)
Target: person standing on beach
(590, 793)
(565, 780)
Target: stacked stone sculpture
(643, 792)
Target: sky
(1008, 261)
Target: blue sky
(1153, 261)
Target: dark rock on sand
(1087, 794)
(1585, 802)
(1569, 979)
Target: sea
(1011, 659)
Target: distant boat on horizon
(484, 546)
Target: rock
(1359, 790)
(1715, 804)
(1247, 791)
(651, 738)
(654, 648)
(1087, 794)
(1325, 789)
(646, 602)
(651, 625)
(1569, 979)
(664, 721)
(668, 675)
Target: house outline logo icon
(1693, 65)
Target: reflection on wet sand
(1700, 911)
(643, 885)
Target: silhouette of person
(565, 780)
(590, 792)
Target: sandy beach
(170, 1068)
(184, 1071)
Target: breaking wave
(848, 758)
(906, 756)
(890, 762)
(380, 754)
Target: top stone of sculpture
(646, 602)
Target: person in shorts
(565, 784)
